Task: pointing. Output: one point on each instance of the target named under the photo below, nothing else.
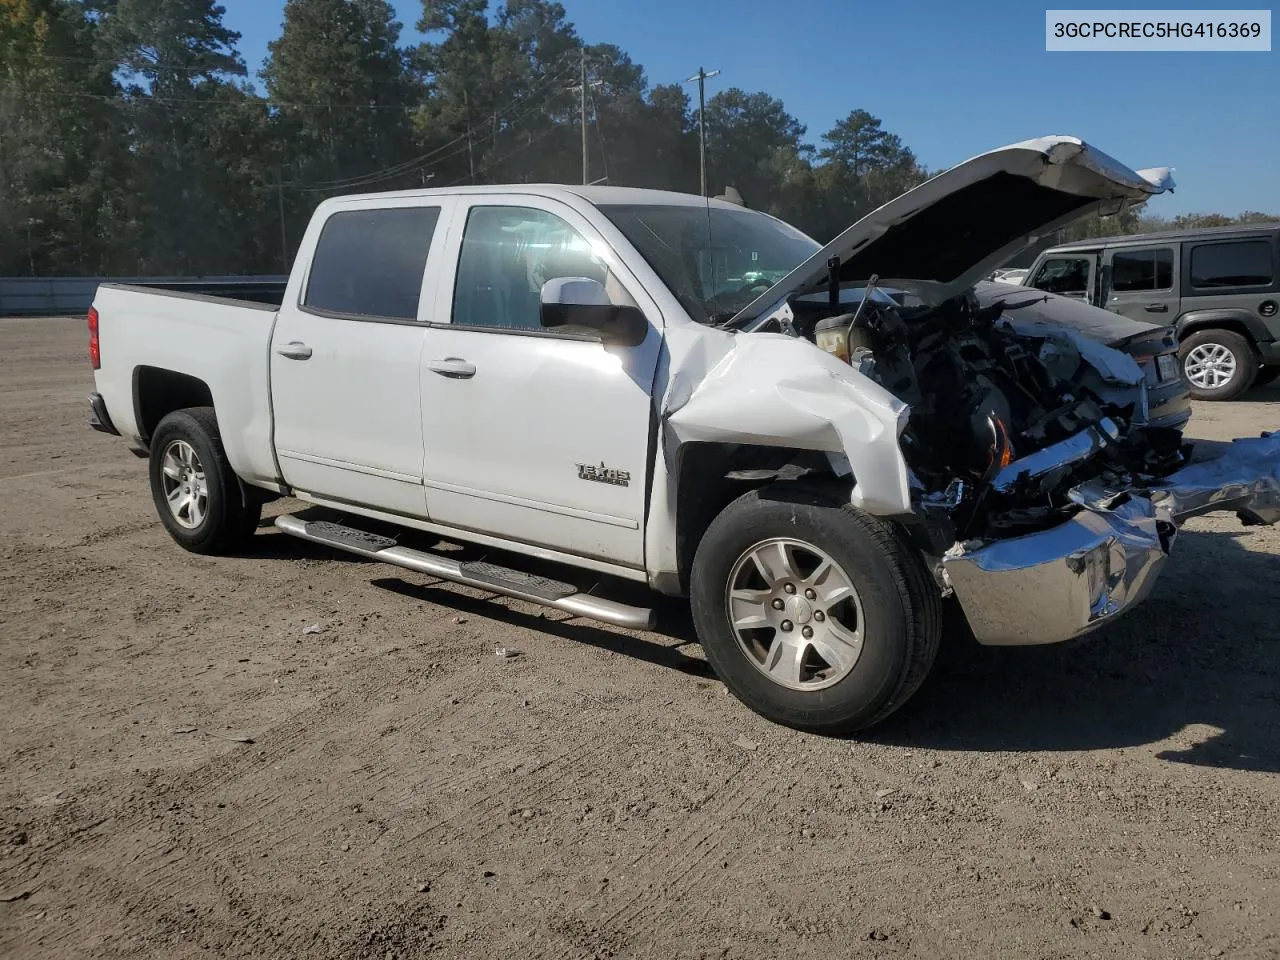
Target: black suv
(1218, 287)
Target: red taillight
(95, 349)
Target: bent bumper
(1242, 476)
(1057, 584)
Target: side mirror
(582, 302)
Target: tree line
(135, 143)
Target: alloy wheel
(185, 486)
(795, 613)
(1210, 366)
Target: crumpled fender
(775, 390)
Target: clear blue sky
(952, 79)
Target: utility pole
(702, 77)
(582, 90)
(284, 233)
(586, 174)
(471, 155)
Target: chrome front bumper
(1057, 584)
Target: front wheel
(197, 493)
(816, 616)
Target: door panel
(348, 419)
(547, 441)
(1143, 283)
(346, 355)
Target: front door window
(1068, 276)
(508, 253)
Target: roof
(592, 194)
(1147, 238)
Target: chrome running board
(484, 576)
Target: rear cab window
(369, 264)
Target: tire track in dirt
(159, 860)
(662, 866)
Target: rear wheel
(815, 615)
(1217, 364)
(200, 499)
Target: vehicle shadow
(664, 647)
(1203, 650)
(1263, 394)
(650, 648)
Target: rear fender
(1247, 324)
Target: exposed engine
(1002, 425)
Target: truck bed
(210, 349)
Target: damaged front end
(1056, 584)
(1048, 499)
(1024, 452)
(1038, 484)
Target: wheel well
(710, 476)
(158, 392)
(1226, 323)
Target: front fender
(775, 390)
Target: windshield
(715, 261)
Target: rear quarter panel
(223, 343)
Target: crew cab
(615, 382)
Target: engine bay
(1002, 425)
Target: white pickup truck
(695, 396)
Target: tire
(1266, 375)
(1217, 364)
(210, 512)
(895, 604)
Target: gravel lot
(406, 792)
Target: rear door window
(1241, 263)
(1141, 270)
(370, 263)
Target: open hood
(941, 237)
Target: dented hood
(943, 236)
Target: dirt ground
(406, 792)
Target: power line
(409, 166)
(253, 100)
(493, 163)
(371, 179)
(150, 65)
(256, 100)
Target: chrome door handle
(1156, 308)
(295, 351)
(454, 367)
